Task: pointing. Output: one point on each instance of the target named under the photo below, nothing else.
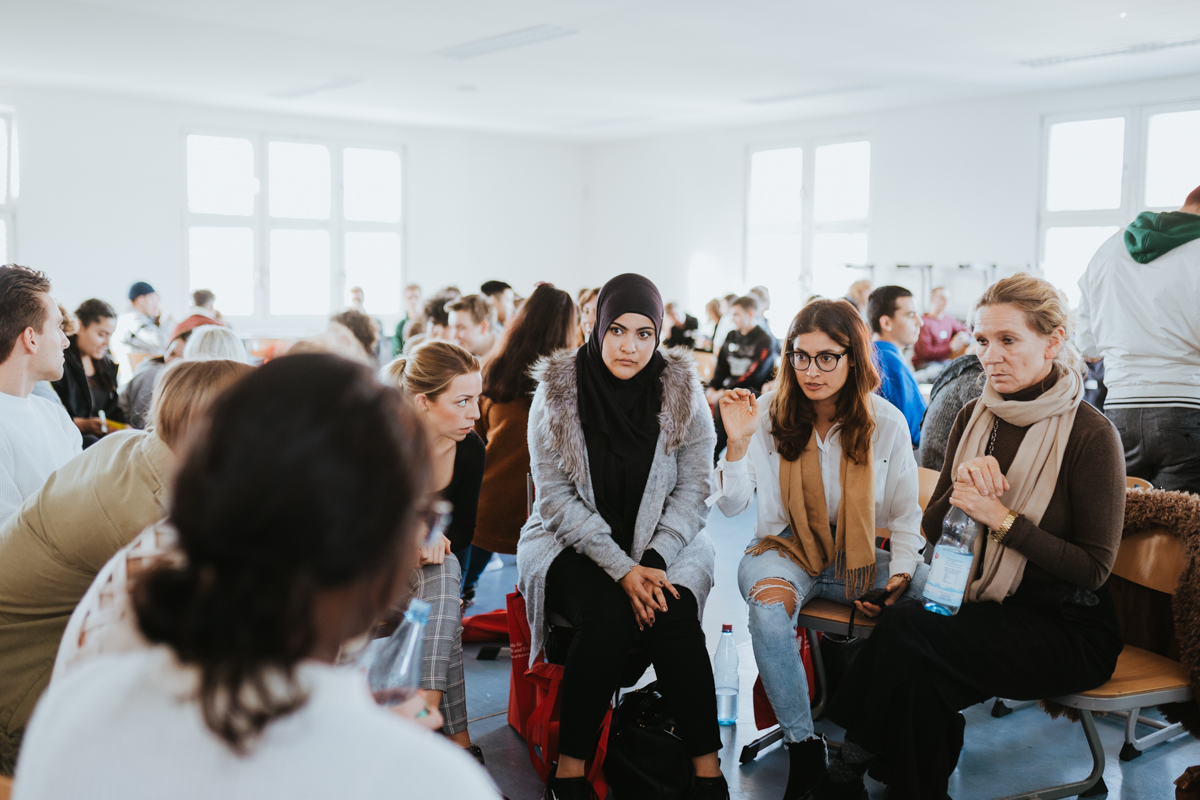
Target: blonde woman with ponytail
(444, 382)
(1044, 473)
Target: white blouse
(128, 727)
(896, 481)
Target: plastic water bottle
(395, 674)
(952, 560)
(725, 674)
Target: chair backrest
(1137, 483)
(706, 363)
(1152, 558)
(928, 479)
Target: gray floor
(1022, 752)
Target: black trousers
(1162, 445)
(901, 697)
(605, 633)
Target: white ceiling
(630, 67)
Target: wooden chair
(706, 364)
(1152, 558)
(5, 788)
(1138, 483)
(825, 616)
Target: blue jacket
(899, 387)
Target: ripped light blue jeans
(773, 630)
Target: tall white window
(804, 235)
(280, 230)
(8, 188)
(1101, 170)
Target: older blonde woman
(1045, 473)
(88, 510)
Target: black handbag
(646, 758)
(838, 653)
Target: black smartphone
(874, 597)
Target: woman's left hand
(434, 553)
(895, 587)
(985, 509)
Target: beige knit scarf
(812, 545)
(997, 570)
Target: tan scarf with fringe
(812, 545)
(997, 570)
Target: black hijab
(620, 417)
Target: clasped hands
(978, 486)
(647, 589)
(435, 552)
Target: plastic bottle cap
(726, 629)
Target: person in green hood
(1140, 312)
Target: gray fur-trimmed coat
(672, 513)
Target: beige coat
(51, 550)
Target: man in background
(503, 299)
(681, 327)
(37, 436)
(473, 325)
(896, 325)
(358, 299)
(1140, 311)
(203, 304)
(745, 361)
(414, 316)
(138, 330)
(942, 338)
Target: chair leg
(1091, 786)
(1134, 746)
(751, 751)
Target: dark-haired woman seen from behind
(620, 442)
(1045, 473)
(443, 382)
(548, 321)
(831, 461)
(292, 545)
(89, 382)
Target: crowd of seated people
(288, 502)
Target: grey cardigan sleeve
(564, 513)
(685, 512)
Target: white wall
(102, 195)
(950, 184)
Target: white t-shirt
(126, 727)
(897, 482)
(36, 438)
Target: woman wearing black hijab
(620, 441)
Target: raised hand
(740, 414)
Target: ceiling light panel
(506, 41)
(1108, 52)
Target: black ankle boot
(568, 788)
(709, 789)
(806, 767)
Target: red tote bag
(522, 692)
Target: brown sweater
(502, 497)
(1080, 532)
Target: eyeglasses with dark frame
(826, 362)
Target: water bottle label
(948, 577)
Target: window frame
(809, 226)
(1133, 175)
(8, 204)
(262, 322)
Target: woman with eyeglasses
(444, 382)
(831, 462)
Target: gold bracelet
(1006, 526)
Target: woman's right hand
(434, 553)
(416, 709)
(739, 413)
